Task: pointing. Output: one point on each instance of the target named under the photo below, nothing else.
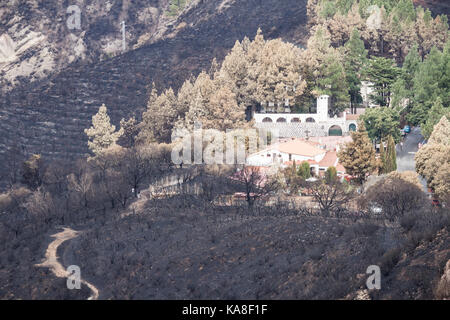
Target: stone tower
(322, 107)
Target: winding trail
(51, 259)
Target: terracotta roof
(329, 160)
(330, 142)
(340, 168)
(298, 163)
(300, 148)
(313, 162)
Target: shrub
(389, 260)
(304, 170)
(395, 197)
(331, 174)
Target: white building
(283, 154)
(306, 124)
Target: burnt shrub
(389, 260)
(394, 197)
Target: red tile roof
(330, 159)
(300, 148)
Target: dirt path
(51, 259)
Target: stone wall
(303, 130)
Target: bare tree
(81, 183)
(257, 184)
(41, 204)
(55, 177)
(117, 187)
(331, 196)
(137, 165)
(13, 165)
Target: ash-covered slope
(436, 6)
(49, 116)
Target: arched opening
(267, 119)
(335, 131)
(352, 127)
(311, 120)
(295, 120)
(281, 120)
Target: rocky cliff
(38, 38)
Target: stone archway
(310, 120)
(281, 120)
(267, 119)
(335, 131)
(297, 120)
(352, 127)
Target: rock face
(48, 116)
(35, 38)
(443, 288)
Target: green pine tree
(428, 86)
(411, 66)
(382, 73)
(358, 156)
(304, 170)
(382, 159)
(330, 174)
(332, 82)
(381, 123)
(434, 115)
(355, 62)
(391, 156)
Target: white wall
(322, 108)
(288, 116)
(261, 158)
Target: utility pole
(124, 43)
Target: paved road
(405, 154)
